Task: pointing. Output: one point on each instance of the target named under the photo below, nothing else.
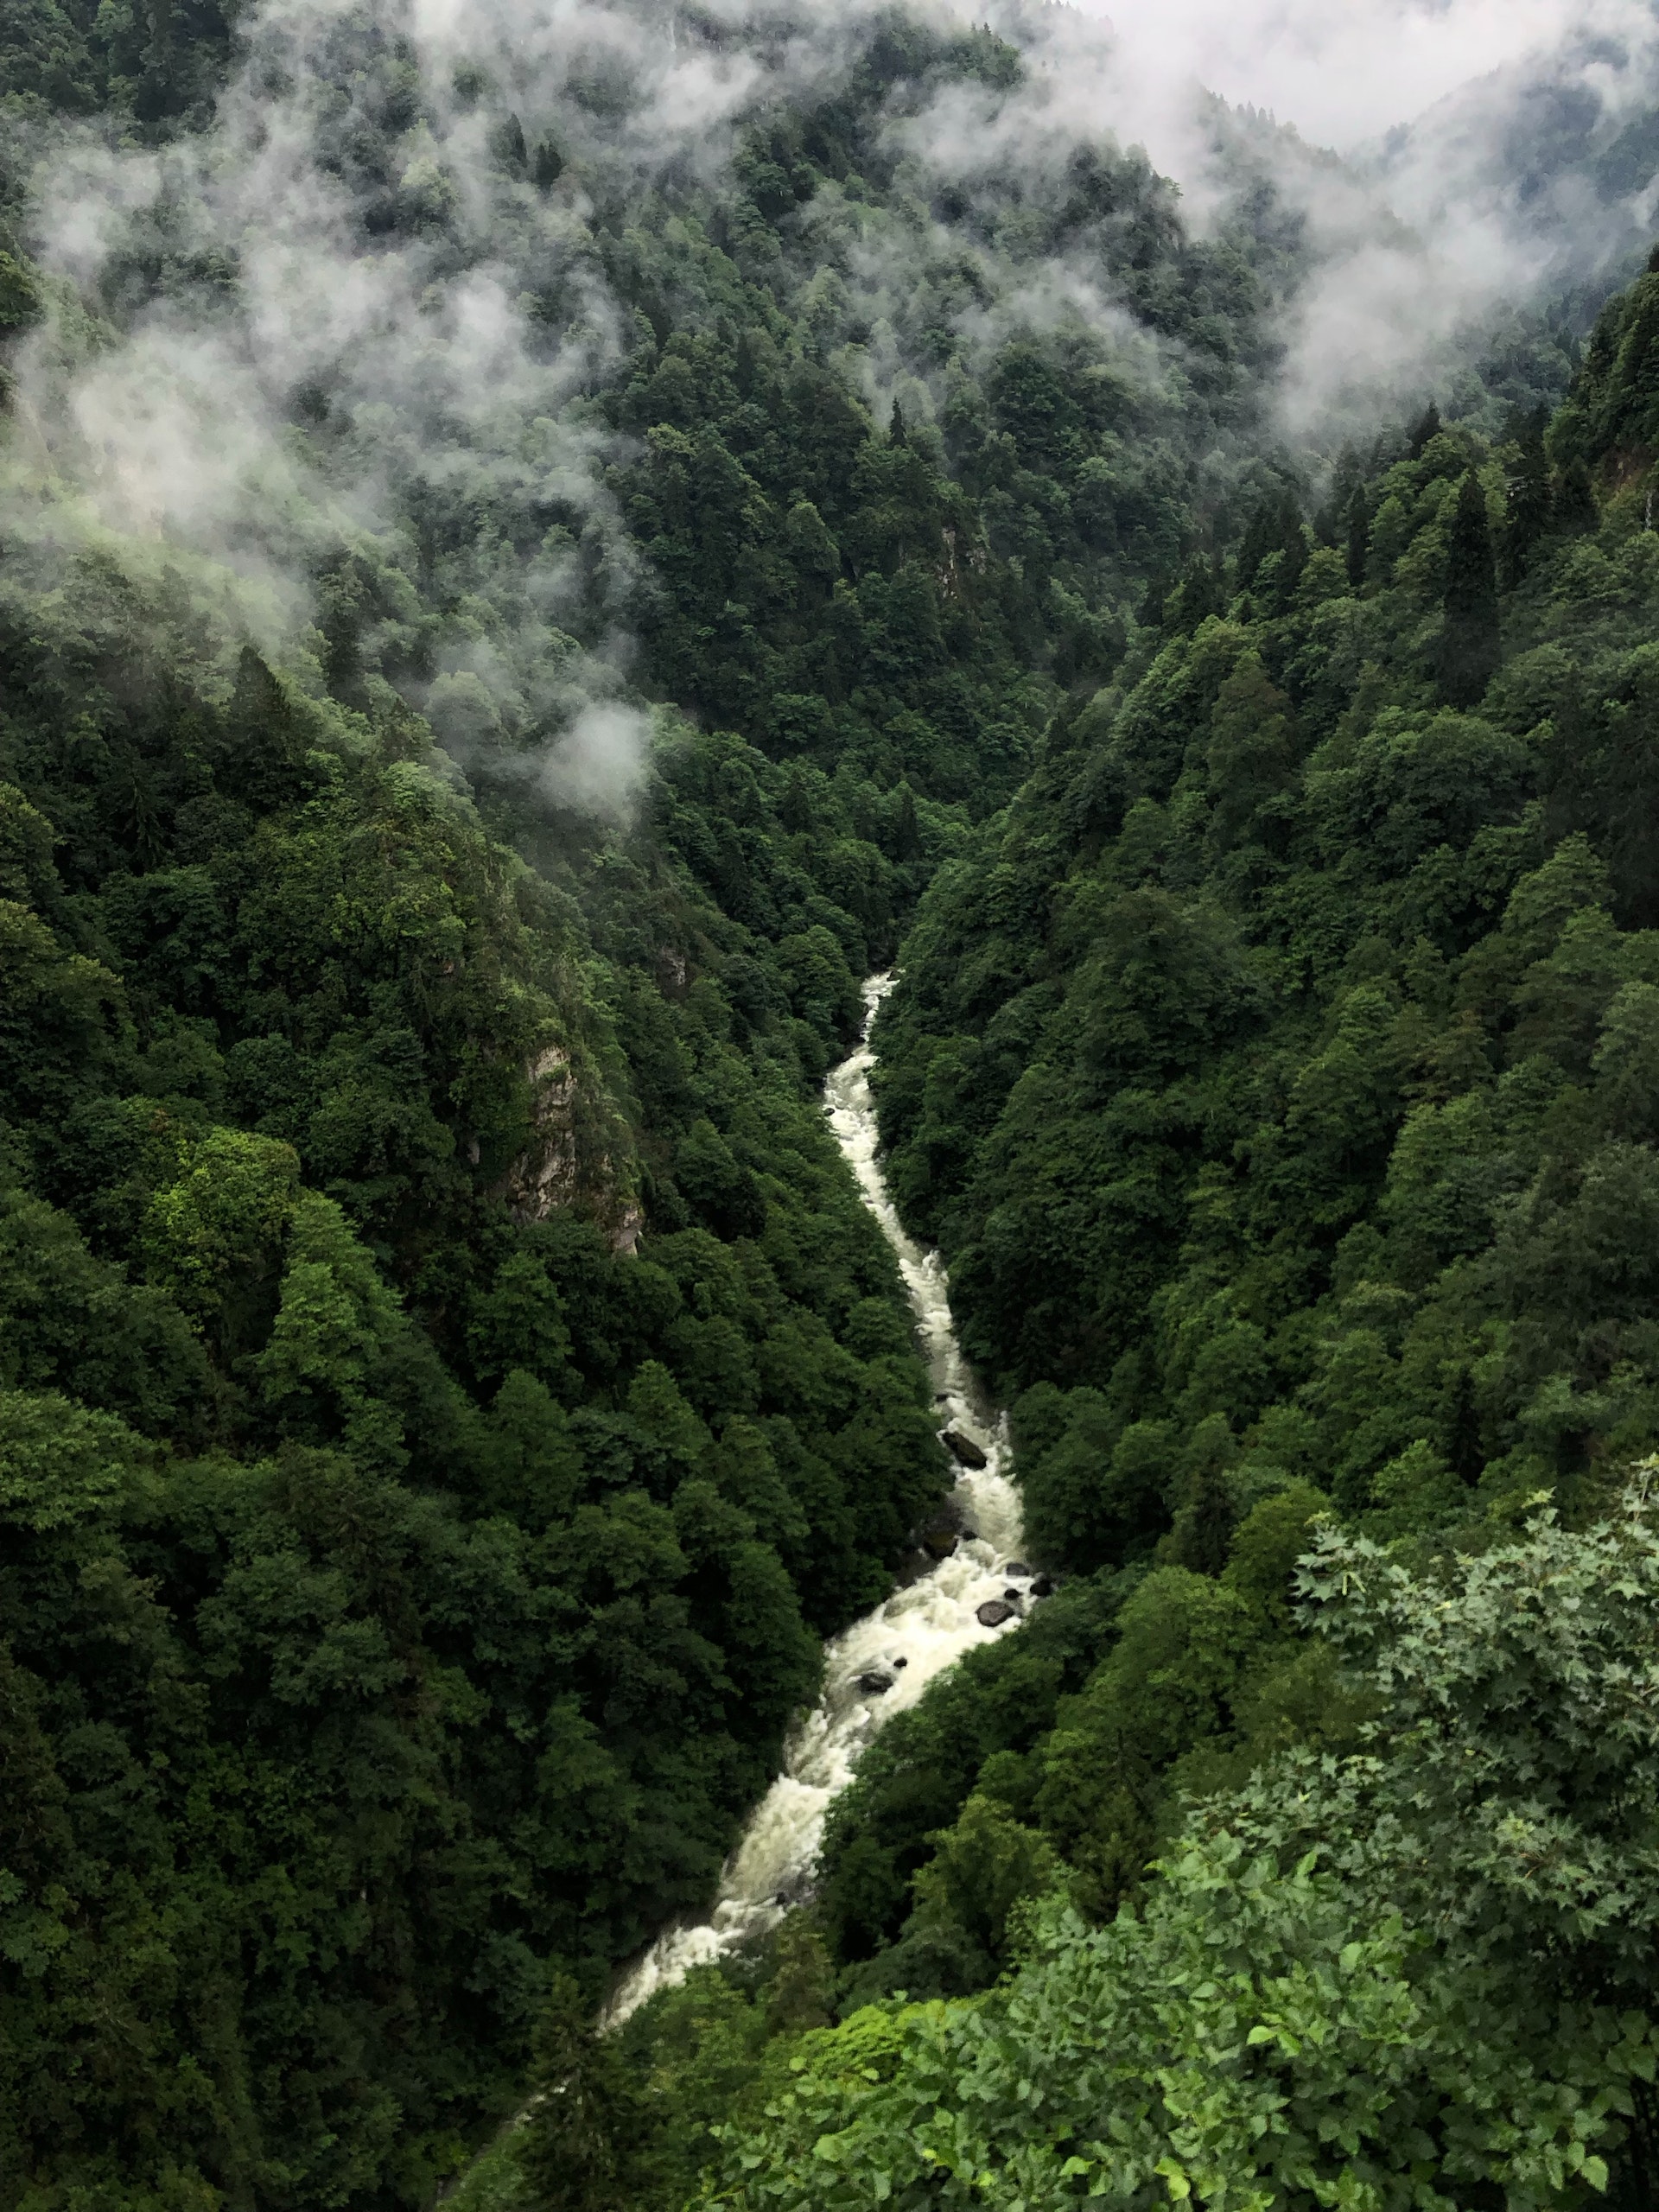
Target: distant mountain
(1560, 155)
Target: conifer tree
(1196, 598)
(1294, 548)
(507, 144)
(795, 811)
(1425, 429)
(1276, 527)
(1263, 534)
(581, 2148)
(1575, 501)
(548, 166)
(1359, 537)
(1469, 649)
(1528, 504)
(1204, 1526)
(907, 837)
(743, 367)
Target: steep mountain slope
(537, 549)
(1277, 1073)
(448, 1384)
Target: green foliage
(1401, 1979)
(1245, 990)
(973, 1730)
(981, 1869)
(448, 1383)
(1515, 1772)
(1245, 2040)
(1470, 648)
(579, 2145)
(450, 1387)
(1271, 1072)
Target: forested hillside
(450, 1386)
(536, 554)
(1278, 1073)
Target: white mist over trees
(335, 346)
(541, 545)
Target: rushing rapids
(919, 1630)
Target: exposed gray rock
(543, 1177)
(994, 1613)
(625, 1233)
(963, 1449)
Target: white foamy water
(919, 1632)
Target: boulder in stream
(1018, 1566)
(872, 1684)
(1043, 1586)
(939, 1541)
(994, 1613)
(963, 1449)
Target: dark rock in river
(872, 1684)
(901, 1662)
(970, 1535)
(1013, 1597)
(1042, 1587)
(963, 1449)
(938, 1543)
(1018, 1566)
(994, 1613)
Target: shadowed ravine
(919, 1630)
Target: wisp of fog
(348, 345)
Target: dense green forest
(448, 1384)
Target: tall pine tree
(1359, 537)
(1198, 596)
(583, 2145)
(1470, 646)
(1527, 505)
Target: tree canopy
(450, 1385)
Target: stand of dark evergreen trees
(448, 1385)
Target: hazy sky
(1343, 70)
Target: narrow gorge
(883, 1663)
(561, 563)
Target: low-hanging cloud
(381, 373)
(1474, 136)
(598, 766)
(1400, 141)
(363, 384)
(1343, 75)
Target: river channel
(919, 1630)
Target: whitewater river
(919, 1630)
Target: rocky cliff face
(552, 1171)
(545, 1175)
